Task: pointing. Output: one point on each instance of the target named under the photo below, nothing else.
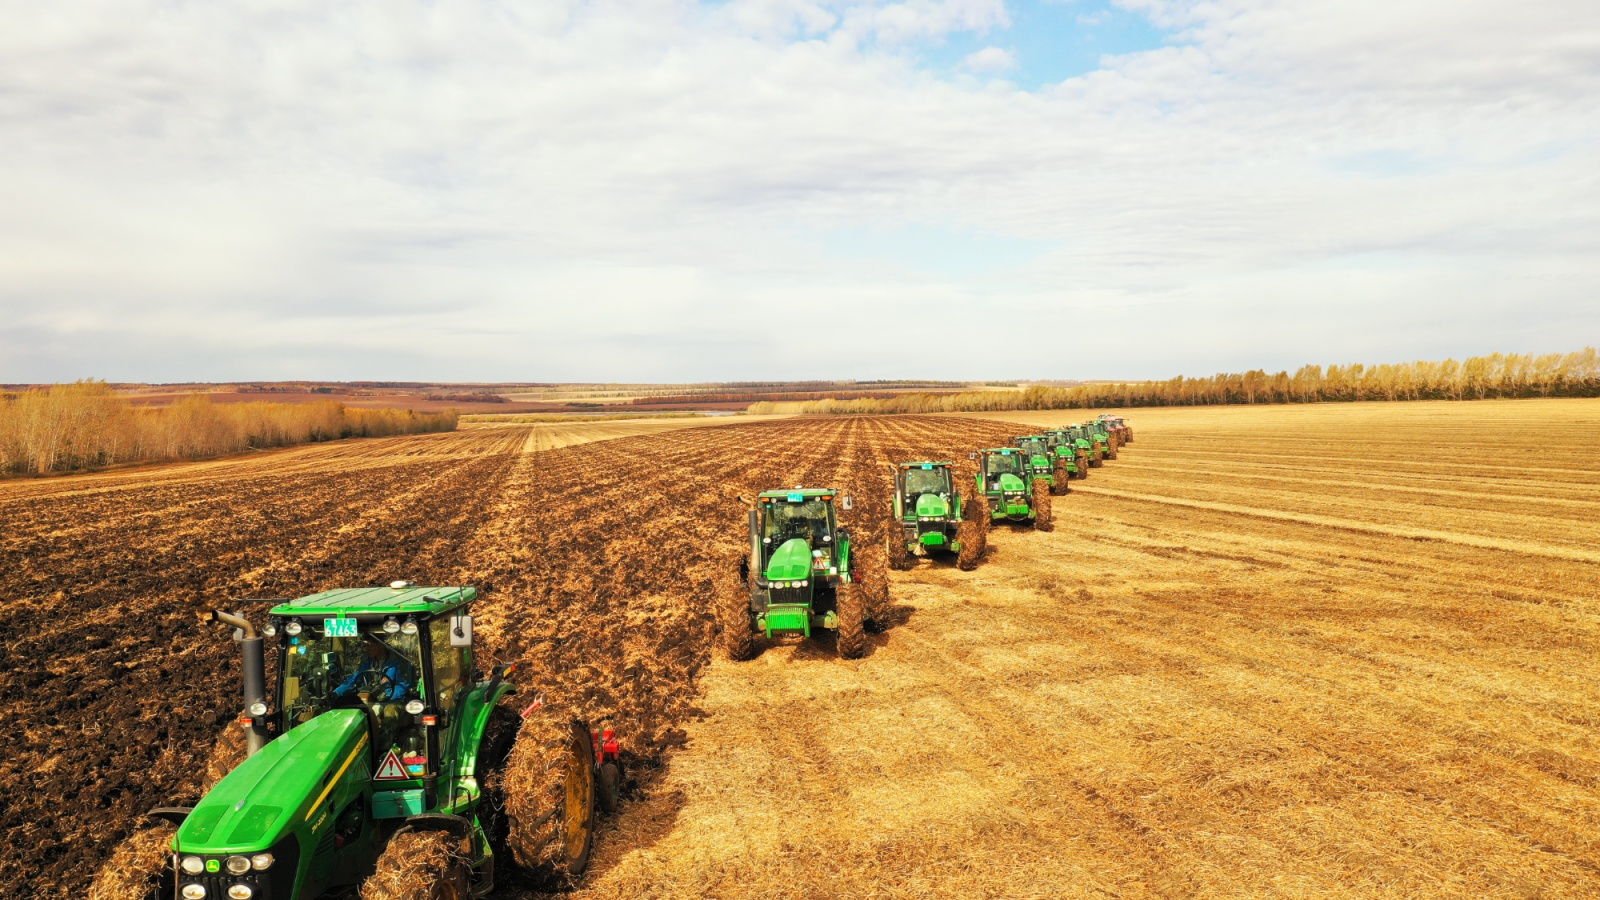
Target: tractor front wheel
(851, 609)
(140, 868)
(1043, 515)
(899, 557)
(1063, 477)
(421, 865)
(1111, 446)
(973, 533)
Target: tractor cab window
(1002, 464)
(807, 520)
(927, 481)
(375, 670)
(1033, 447)
(450, 664)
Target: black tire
(576, 833)
(610, 788)
(851, 609)
(421, 865)
(549, 787)
(139, 868)
(738, 622)
(1063, 478)
(1043, 515)
(499, 736)
(1111, 446)
(899, 557)
(1082, 457)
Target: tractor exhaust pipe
(255, 679)
(755, 547)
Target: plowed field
(596, 559)
(1337, 650)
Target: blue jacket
(394, 684)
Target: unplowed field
(1328, 651)
(597, 560)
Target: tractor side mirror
(847, 503)
(972, 455)
(461, 631)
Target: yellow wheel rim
(580, 801)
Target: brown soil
(597, 561)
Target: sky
(672, 190)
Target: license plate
(340, 627)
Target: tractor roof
(1000, 450)
(801, 493)
(926, 464)
(379, 601)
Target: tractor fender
(437, 822)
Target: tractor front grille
(800, 595)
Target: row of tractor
(373, 752)
(803, 572)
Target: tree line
(1499, 375)
(69, 427)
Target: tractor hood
(932, 505)
(1010, 482)
(275, 789)
(790, 562)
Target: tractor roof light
(261, 861)
(257, 709)
(409, 626)
(193, 865)
(193, 891)
(293, 628)
(270, 629)
(391, 625)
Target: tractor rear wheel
(1083, 464)
(851, 609)
(421, 865)
(1062, 478)
(738, 622)
(899, 557)
(1043, 515)
(1111, 445)
(873, 582)
(549, 787)
(140, 868)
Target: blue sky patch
(1051, 41)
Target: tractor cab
(1037, 450)
(918, 479)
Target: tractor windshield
(1002, 464)
(927, 481)
(808, 520)
(321, 672)
(1033, 446)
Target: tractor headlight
(391, 625)
(194, 865)
(799, 584)
(261, 861)
(270, 630)
(293, 628)
(414, 707)
(240, 892)
(193, 891)
(257, 709)
(237, 865)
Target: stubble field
(1343, 650)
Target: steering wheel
(368, 681)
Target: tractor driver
(925, 481)
(807, 520)
(382, 677)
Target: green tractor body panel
(804, 557)
(281, 801)
(1004, 478)
(927, 506)
(347, 602)
(1063, 447)
(1040, 459)
(790, 562)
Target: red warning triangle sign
(391, 769)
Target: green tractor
(1005, 481)
(1042, 462)
(1104, 436)
(930, 516)
(802, 573)
(369, 762)
(1071, 455)
(1120, 425)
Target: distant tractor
(802, 573)
(930, 516)
(377, 741)
(1120, 426)
(1093, 448)
(1043, 463)
(1005, 481)
(1071, 460)
(1105, 435)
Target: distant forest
(68, 427)
(1478, 378)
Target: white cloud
(652, 189)
(990, 61)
